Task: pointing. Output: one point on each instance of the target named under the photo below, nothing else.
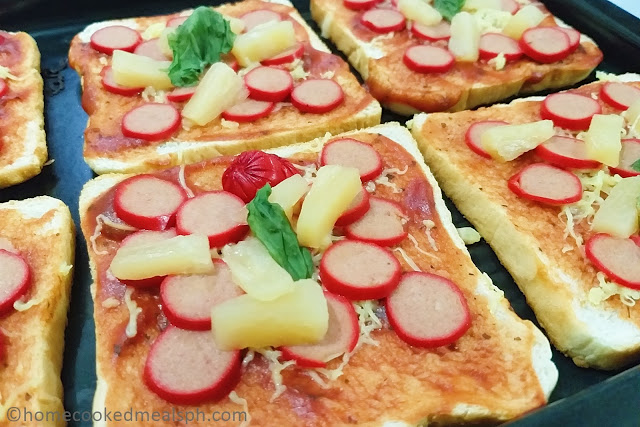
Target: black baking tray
(582, 397)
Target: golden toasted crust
(106, 150)
(466, 86)
(23, 147)
(42, 230)
(528, 237)
(499, 369)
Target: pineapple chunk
(508, 142)
(419, 11)
(288, 193)
(219, 89)
(163, 42)
(236, 24)
(602, 140)
(465, 37)
(154, 30)
(299, 317)
(263, 42)
(255, 271)
(471, 5)
(618, 215)
(177, 255)
(133, 70)
(331, 194)
(633, 118)
(527, 17)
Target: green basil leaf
(448, 8)
(198, 43)
(271, 226)
(636, 165)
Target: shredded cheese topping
(132, 327)
(491, 20)
(418, 248)
(110, 302)
(309, 171)
(498, 62)
(328, 74)
(183, 182)
(233, 396)
(370, 187)
(23, 306)
(229, 124)
(368, 321)
(297, 70)
(606, 289)
(407, 258)
(429, 225)
(383, 179)
(276, 367)
(5, 73)
(151, 94)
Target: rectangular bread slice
(23, 146)
(538, 243)
(499, 369)
(42, 230)
(379, 60)
(107, 150)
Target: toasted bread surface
(42, 230)
(530, 238)
(499, 369)
(379, 59)
(23, 147)
(106, 150)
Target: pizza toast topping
(527, 17)
(286, 56)
(356, 210)
(248, 110)
(568, 152)
(383, 20)
(289, 193)
(151, 122)
(569, 110)
(250, 47)
(140, 238)
(493, 44)
(151, 48)
(432, 33)
(465, 37)
(473, 136)
(428, 59)
(505, 143)
(181, 94)
(381, 225)
(269, 84)
(618, 258)
(619, 95)
(603, 140)
(548, 184)
(618, 213)
(131, 70)
(360, 4)
(110, 84)
(115, 37)
(545, 44)
(317, 96)
(419, 11)
(629, 157)
(16, 279)
(350, 152)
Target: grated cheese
(498, 62)
(309, 171)
(229, 124)
(183, 182)
(276, 367)
(23, 306)
(418, 248)
(383, 179)
(328, 74)
(154, 31)
(429, 225)
(94, 237)
(370, 187)
(368, 321)
(491, 20)
(5, 73)
(248, 358)
(132, 327)
(151, 94)
(407, 258)
(606, 289)
(233, 396)
(110, 302)
(297, 70)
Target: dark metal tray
(582, 397)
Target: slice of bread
(532, 239)
(42, 230)
(23, 146)
(379, 60)
(499, 369)
(106, 150)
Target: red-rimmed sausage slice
(619, 95)
(148, 202)
(383, 20)
(510, 6)
(427, 310)
(360, 4)
(359, 270)
(151, 122)
(151, 49)
(4, 87)
(341, 337)
(220, 215)
(110, 84)
(353, 153)
(570, 110)
(574, 37)
(618, 258)
(176, 21)
(428, 59)
(140, 238)
(181, 94)
(474, 134)
(16, 279)
(545, 44)
(269, 84)
(187, 300)
(432, 33)
(286, 57)
(493, 44)
(356, 210)
(548, 184)
(566, 152)
(115, 37)
(187, 368)
(382, 224)
(259, 17)
(629, 154)
(317, 96)
(248, 110)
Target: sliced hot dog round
(353, 153)
(427, 310)
(341, 337)
(148, 202)
(16, 279)
(619, 95)
(317, 96)
(258, 17)
(358, 207)
(493, 44)
(545, 44)
(574, 37)
(151, 122)
(140, 238)
(115, 37)
(359, 270)
(383, 20)
(286, 57)
(181, 94)
(360, 4)
(629, 154)
(570, 110)
(187, 300)
(151, 49)
(187, 368)
(566, 152)
(510, 6)
(269, 84)
(4, 87)
(432, 33)
(548, 184)
(428, 59)
(618, 258)
(176, 21)
(220, 215)
(249, 110)
(474, 134)
(382, 224)
(111, 86)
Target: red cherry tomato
(252, 170)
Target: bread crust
(379, 62)
(23, 149)
(41, 228)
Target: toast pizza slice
(37, 241)
(438, 57)
(403, 318)
(271, 82)
(551, 182)
(23, 146)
